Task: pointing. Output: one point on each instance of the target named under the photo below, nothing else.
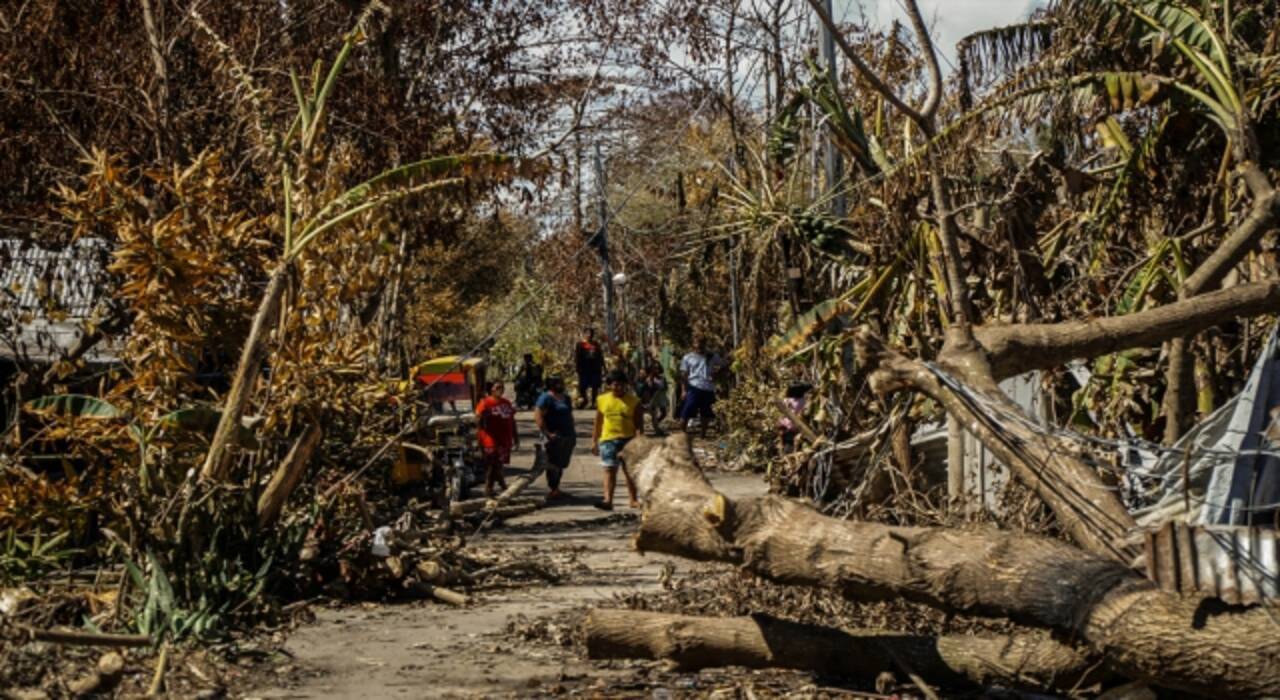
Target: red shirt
(497, 422)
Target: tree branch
(866, 72)
(1261, 217)
(930, 106)
(1020, 348)
(1052, 466)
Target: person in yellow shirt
(618, 412)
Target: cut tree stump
(1196, 645)
(1030, 661)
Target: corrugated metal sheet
(985, 477)
(52, 283)
(46, 295)
(1240, 565)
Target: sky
(950, 20)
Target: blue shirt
(698, 369)
(557, 414)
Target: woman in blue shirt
(553, 413)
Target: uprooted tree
(1123, 620)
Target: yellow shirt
(619, 415)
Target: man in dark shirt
(588, 360)
(528, 382)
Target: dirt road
(416, 650)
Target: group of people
(619, 413)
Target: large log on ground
(1199, 646)
(1027, 660)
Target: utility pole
(832, 163)
(601, 243)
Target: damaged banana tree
(977, 351)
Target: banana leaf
(74, 406)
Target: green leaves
(74, 406)
(395, 184)
(846, 127)
(22, 559)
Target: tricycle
(441, 450)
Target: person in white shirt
(697, 369)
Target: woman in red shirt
(497, 434)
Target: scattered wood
(1140, 631)
(89, 639)
(440, 593)
(522, 482)
(1027, 660)
(157, 678)
(480, 505)
(102, 679)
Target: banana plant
(192, 419)
(306, 218)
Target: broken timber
(1140, 631)
(1024, 660)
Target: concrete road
(425, 649)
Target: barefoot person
(618, 413)
(554, 415)
(497, 433)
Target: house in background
(49, 299)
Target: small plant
(27, 558)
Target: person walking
(652, 390)
(528, 382)
(618, 412)
(497, 434)
(588, 360)
(553, 413)
(697, 370)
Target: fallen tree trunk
(1199, 646)
(1026, 661)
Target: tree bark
(1141, 632)
(287, 475)
(1019, 348)
(1179, 396)
(1086, 507)
(218, 460)
(1179, 377)
(1031, 661)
